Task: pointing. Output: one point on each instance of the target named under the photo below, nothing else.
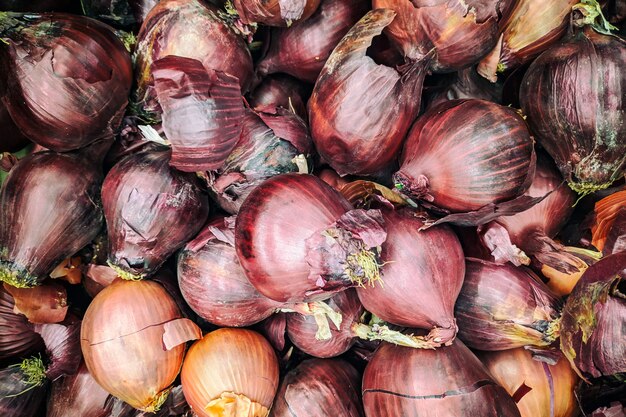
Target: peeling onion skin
(319, 388)
(574, 95)
(275, 12)
(449, 381)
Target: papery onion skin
(360, 112)
(280, 90)
(230, 361)
(77, 395)
(319, 388)
(17, 336)
(574, 95)
(516, 367)
(74, 87)
(503, 307)
(449, 381)
(302, 49)
(608, 212)
(422, 274)
(50, 209)
(465, 154)
(275, 12)
(151, 210)
(122, 342)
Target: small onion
(275, 12)
(230, 373)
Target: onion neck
(553, 331)
(156, 404)
(585, 188)
(16, 276)
(418, 189)
(592, 16)
(229, 404)
(437, 337)
(322, 313)
(124, 274)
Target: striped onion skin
(230, 361)
(465, 154)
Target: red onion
(594, 319)
(467, 84)
(275, 12)
(459, 32)
(360, 111)
(466, 154)
(74, 87)
(22, 388)
(576, 109)
(17, 336)
(49, 210)
(280, 91)
(450, 381)
(298, 240)
(302, 49)
(503, 307)
(151, 210)
(77, 395)
(319, 388)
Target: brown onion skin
(238, 361)
(121, 341)
(360, 112)
(17, 336)
(77, 395)
(319, 388)
(576, 110)
(465, 154)
(449, 381)
(514, 368)
(275, 12)
(302, 49)
(503, 307)
(280, 90)
(49, 209)
(151, 211)
(75, 88)
(422, 274)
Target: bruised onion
(449, 381)
(151, 210)
(48, 211)
(275, 12)
(465, 154)
(22, 388)
(594, 319)
(280, 90)
(302, 49)
(319, 388)
(73, 87)
(17, 336)
(230, 373)
(503, 307)
(77, 395)
(573, 94)
(360, 112)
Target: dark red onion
(360, 111)
(74, 87)
(302, 49)
(49, 211)
(574, 96)
(450, 381)
(319, 388)
(503, 307)
(17, 336)
(22, 388)
(280, 90)
(298, 240)
(594, 319)
(77, 395)
(467, 84)
(275, 12)
(151, 210)
(466, 154)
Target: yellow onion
(230, 373)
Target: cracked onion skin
(275, 12)
(449, 381)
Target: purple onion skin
(281, 90)
(74, 89)
(302, 49)
(77, 395)
(302, 329)
(50, 210)
(574, 95)
(214, 284)
(17, 336)
(422, 274)
(465, 154)
(17, 397)
(449, 381)
(594, 319)
(275, 12)
(319, 388)
(151, 211)
(503, 307)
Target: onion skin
(302, 49)
(576, 109)
(74, 87)
(465, 154)
(151, 210)
(319, 388)
(610, 213)
(514, 368)
(37, 235)
(503, 307)
(275, 12)
(280, 90)
(593, 319)
(467, 84)
(422, 275)
(17, 336)
(449, 381)
(77, 395)
(230, 361)
(378, 104)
